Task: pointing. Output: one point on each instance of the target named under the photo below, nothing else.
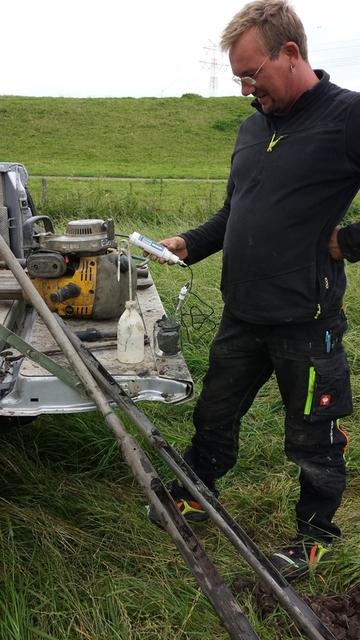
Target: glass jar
(167, 337)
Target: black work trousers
(313, 377)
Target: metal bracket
(40, 358)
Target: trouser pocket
(329, 391)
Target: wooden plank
(10, 288)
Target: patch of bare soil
(339, 613)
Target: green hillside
(79, 559)
(124, 137)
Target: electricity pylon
(214, 67)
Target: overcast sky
(117, 48)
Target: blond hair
(275, 21)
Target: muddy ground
(340, 613)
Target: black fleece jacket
(292, 180)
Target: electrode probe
(152, 247)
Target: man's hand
(176, 245)
(333, 246)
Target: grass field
(154, 138)
(78, 558)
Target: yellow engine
(80, 273)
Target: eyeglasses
(252, 79)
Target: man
(294, 171)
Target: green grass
(78, 560)
(157, 203)
(144, 137)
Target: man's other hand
(333, 246)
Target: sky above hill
(156, 48)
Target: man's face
(274, 83)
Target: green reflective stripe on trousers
(310, 393)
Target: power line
(216, 66)
(336, 47)
(349, 46)
(355, 43)
(339, 62)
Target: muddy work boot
(190, 508)
(300, 558)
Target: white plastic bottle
(130, 335)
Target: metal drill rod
(287, 596)
(202, 568)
